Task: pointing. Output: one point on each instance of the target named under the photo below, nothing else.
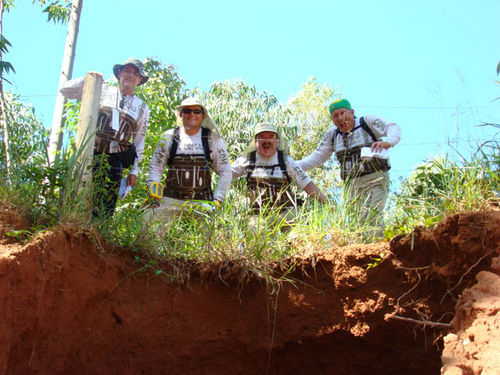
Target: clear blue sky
(430, 66)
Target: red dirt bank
(67, 307)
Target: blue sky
(429, 66)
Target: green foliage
(442, 187)
(231, 235)
(236, 107)
(5, 66)
(309, 115)
(46, 194)
(28, 136)
(163, 92)
(57, 11)
(308, 122)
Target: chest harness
(105, 133)
(267, 192)
(351, 164)
(188, 176)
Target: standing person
(189, 152)
(366, 179)
(121, 127)
(269, 172)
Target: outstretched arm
(313, 191)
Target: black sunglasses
(187, 111)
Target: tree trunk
(3, 107)
(56, 134)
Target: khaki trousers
(368, 194)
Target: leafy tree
(308, 122)
(236, 107)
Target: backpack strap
(251, 164)
(281, 162)
(173, 146)
(365, 127)
(362, 124)
(205, 134)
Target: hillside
(70, 304)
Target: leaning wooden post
(85, 135)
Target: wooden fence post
(85, 135)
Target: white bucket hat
(267, 127)
(207, 121)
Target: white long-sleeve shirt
(111, 98)
(189, 145)
(388, 131)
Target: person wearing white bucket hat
(190, 151)
(122, 123)
(269, 172)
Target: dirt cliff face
(70, 305)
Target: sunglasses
(187, 111)
(266, 139)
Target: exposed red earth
(70, 304)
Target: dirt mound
(475, 346)
(70, 306)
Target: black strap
(205, 134)
(173, 147)
(363, 125)
(251, 165)
(281, 163)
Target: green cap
(340, 103)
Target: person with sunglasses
(270, 171)
(360, 145)
(190, 152)
(122, 122)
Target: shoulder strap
(365, 127)
(205, 134)
(335, 134)
(173, 146)
(251, 165)
(281, 162)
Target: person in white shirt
(366, 179)
(269, 172)
(121, 127)
(189, 152)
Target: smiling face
(267, 143)
(343, 119)
(192, 117)
(129, 78)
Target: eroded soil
(72, 305)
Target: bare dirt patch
(71, 306)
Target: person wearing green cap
(360, 145)
(122, 122)
(190, 152)
(269, 172)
